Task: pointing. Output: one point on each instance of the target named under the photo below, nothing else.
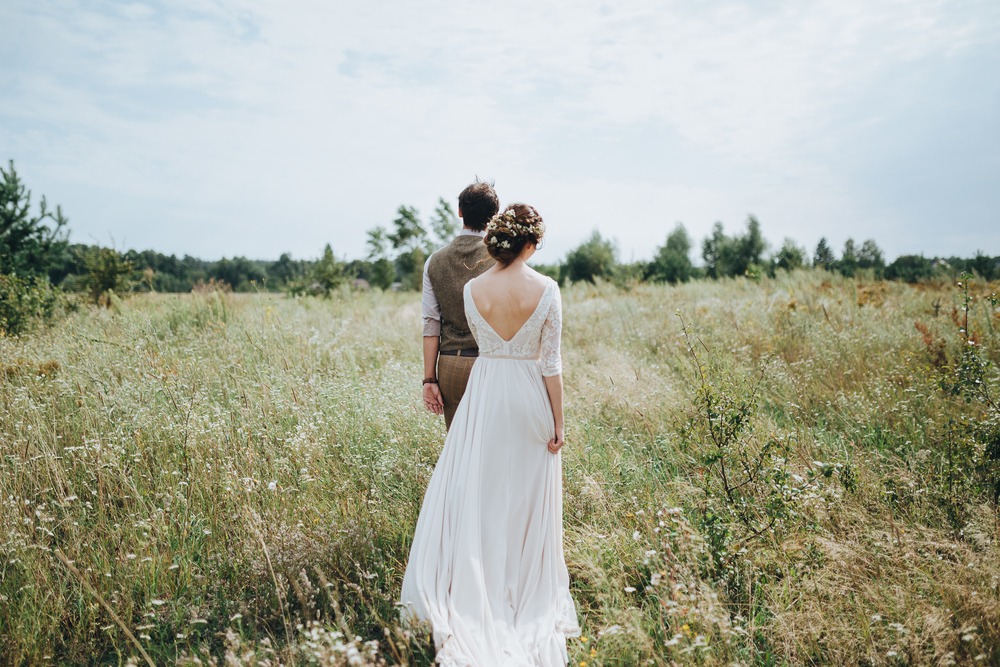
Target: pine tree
(30, 245)
(327, 274)
(824, 258)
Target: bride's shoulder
(542, 278)
(551, 283)
(550, 287)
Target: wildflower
(272, 485)
(636, 535)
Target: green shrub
(25, 302)
(325, 277)
(594, 258)
(672, 263)
(749, 489)
(910, 269)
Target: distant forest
(595, 259)
(33, 243)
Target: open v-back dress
(486, 567)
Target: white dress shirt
(429, 306)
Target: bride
(486, 567)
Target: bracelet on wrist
(430, 381)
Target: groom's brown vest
(449, 269)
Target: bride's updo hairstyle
(509, 231)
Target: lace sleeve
(551, 358)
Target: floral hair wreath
(506, 223)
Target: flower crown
(506, 223)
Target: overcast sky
(247, 127)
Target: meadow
(801, 470)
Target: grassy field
(798, 471)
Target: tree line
(746, 254)
(37, 260)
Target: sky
(251, 127)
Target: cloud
(253, 127)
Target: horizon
(695, 255)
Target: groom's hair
(478, 203)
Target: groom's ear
(460, 212)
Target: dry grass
(238, 478)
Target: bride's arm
(551, 364)
(554, 386)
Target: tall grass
(241, 474)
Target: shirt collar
(472, 232)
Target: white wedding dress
(486, 567)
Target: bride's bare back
(506, 297)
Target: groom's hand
(432, 399)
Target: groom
(449, 347)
